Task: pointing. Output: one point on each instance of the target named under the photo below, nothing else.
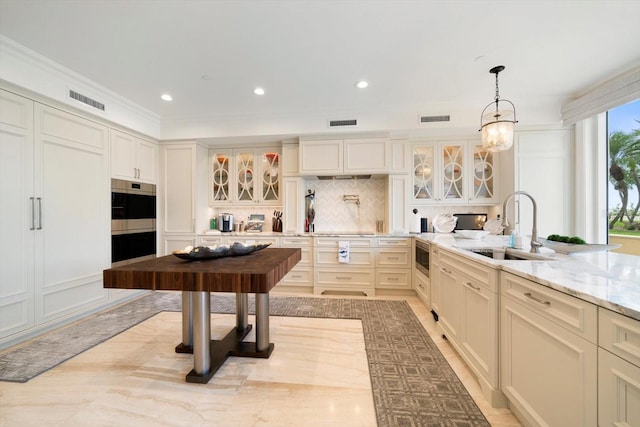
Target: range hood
(331, 177)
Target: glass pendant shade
(498, 130)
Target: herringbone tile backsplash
(335, 214)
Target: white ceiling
(420, 58)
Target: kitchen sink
(512, 255)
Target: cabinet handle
(392, 258)
(33, 213)
(343, 277)
(295, 276)
(444, 270)
(392, 279)
(528, 295)
(469, 284)
(39, 213)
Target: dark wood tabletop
(257, 272)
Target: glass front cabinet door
(439, 173)
(484, 186)
(220, 177)
(244, 176)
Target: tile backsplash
(333, 213)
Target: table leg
(262, 321)
(242, 311)
(201, 332)
(186, 346)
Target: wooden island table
(256, 273)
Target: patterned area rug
(413, 384)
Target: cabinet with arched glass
(452, 172)
(245, 176)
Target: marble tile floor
(136, 379)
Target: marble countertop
(607, 279)
(345, 234)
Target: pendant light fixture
(497, 124)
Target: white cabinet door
(548, 373)
(18, 220)
(436, 284)
(293, 205)
(147, 160)
(366, 155)
(321, 157)
(397, 221)
(178, 181)
(618, 391)
(133, 158)
(450, 314)
(73, 181)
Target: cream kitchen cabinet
(434, 276)
(548, 354)
(393, 263)
(355, 276)
(618, 369)
(133, 158)
(453, 172)
(422, 286)
(302, 274)
(55, 205)
(245, 176)
(183, 184)
(469, 318)
(344, 156)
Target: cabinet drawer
(345, 279)
(353, 242)
(620, 335)
(299, 276)
(358, 258)
(246, 240)
(572, 313)
(393, 279)
(478, 273)
(210, 241)
(295, 242)
(385, 242)
(394, 258)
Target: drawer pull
(528, 295)
(393, 257)
(469, 284)
(343, 277)
(444, 270)
(296, 276)
(392, 279)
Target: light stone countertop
(607, 279)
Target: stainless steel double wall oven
(133, 221)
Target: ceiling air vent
(431, 119)
(86, 100)
(337, 123)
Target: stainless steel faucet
(535, 245)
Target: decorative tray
(211, 252)
(573, 248)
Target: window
(623, 146)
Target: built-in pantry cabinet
(133, 158)
(183, 203)
(55, 223)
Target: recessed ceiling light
(166, 97)
(258, 91)
(362, 84)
